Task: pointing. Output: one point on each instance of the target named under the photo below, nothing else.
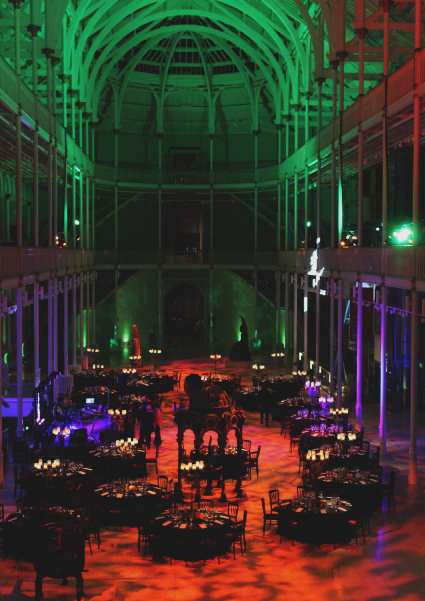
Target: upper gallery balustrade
(399, 266)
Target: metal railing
(405, 263)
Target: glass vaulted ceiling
(243, 63)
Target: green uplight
(308, 223)
(402, 235)
(76, 222)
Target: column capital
(342, 55)
(320, 80)
(211, 136)
(256, 132)
(86, 114)
(116, 131)
(80, 104)
(72, 92)
(63, 77)
(334, 63)
(287, 117)
(297, 107)
(160, 135)
(279, 126)
(34, 30)
(48, 52)
(16, 3)
(55, 61)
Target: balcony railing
(403, 263)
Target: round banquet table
(362, 489)
(191, 535)
(248, 399)
(352, 458)
(111, 463)
(64, 485)
(122, 501)
(327, 524)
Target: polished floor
(390, 565)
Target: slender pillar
(340, 330)
(93, 321)
(332, 340)
(333, 229)
(386, 6)
(359, 355)
(160, 304)
(88, 309)
(359, 339)
(18, 122)
(49, 327)
(34, 30)
(74, 208)
(19, 377)
(383, 387)
(211, 310)
(413, 479)
(255, 301)
(320, 81)
(81, 215)
(295, 317)
(65, 325)
(88, 245)
(1, 394)
(74, 319)
(416, 240)
(278, 325)
(36, 309)
(287, 342)
(55, 323)
(81, 314)
(305, 311)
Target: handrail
(403, 263)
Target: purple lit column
(49, 327)
(1, 406)
(65, 325)
(20, 424)
(36, 333)
(74, 319)
(55, 323)
(359, 356)
(383, 389)
(81, 314)
(340, 328)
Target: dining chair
(253, 459)
(270, 517)
(232, 510)
(274, 499)
(237, 534)
(246, 444)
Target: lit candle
(45, 466)
(40, 461)
(135, 441)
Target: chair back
(59, 550)
(246, 444)
(232, 511)
(206, 504)
(263, 504)
(391, 482)
(274, 497)
(258, 451)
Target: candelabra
(313, 388)
(154, 353)
(257, 367)
(216, 359)
(278, 358)
(135, 360)
(97, 367)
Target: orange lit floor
(391, 565)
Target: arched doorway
(184, 316)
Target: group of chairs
(359, 524)
(235, 536)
